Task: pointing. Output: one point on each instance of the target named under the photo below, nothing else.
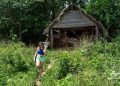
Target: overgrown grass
(17, 67)
(93, 64)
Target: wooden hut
(71, 26)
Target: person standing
(39, 57)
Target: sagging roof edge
(98, 23)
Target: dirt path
(38, 83)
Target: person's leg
(41, 68)
(38, 65)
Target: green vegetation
(16, 64)
(25, 20)
(108, 12)
(93, 64)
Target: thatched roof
(72, 17)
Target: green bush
(93, 64)
(15, 58)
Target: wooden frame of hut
(71, 26)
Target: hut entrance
(72, 37)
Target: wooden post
(96, 32)
(65, 36)
(47, 38)
(51, 38)
(92, 36)
(59, 33)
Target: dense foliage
(25, 20)
(108, 12)
(16, 62)
(94, 64)
(91, 65)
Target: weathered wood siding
(74, 19)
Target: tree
(27, 19)
(108, 12)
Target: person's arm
(35, 54)
(44, 51)
(45, 47)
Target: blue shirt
(40, 52)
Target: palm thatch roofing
(73, 17)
